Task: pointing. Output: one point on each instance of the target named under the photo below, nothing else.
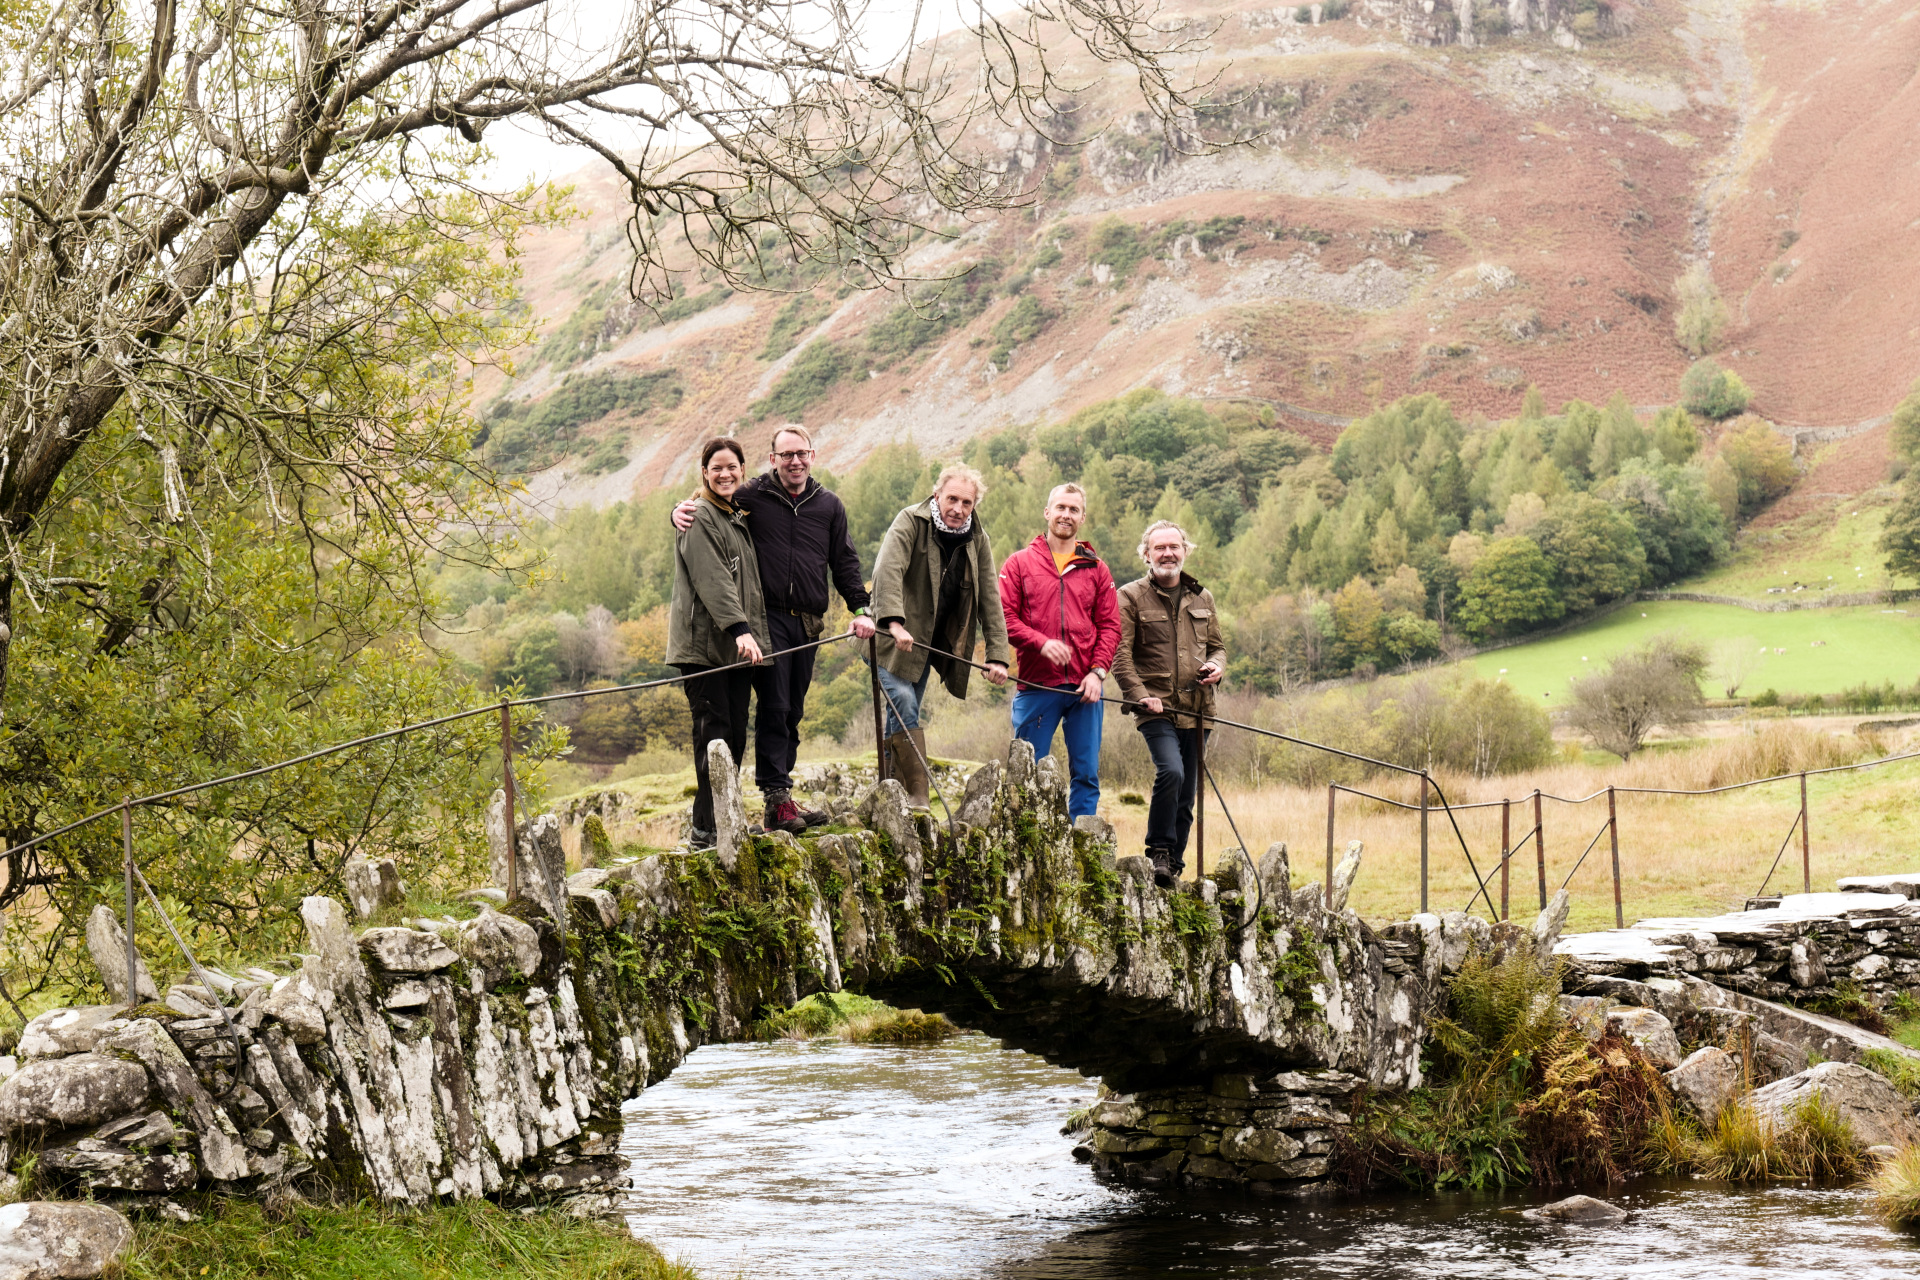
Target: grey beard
(1164, 575)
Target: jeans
(1176, 778)
(719, 706)
(1037, 712)
(780, 694)
(905, 696)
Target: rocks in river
(1868, 1103)
(1580, 1211)
(63, 1093)
(56, 1240)
(1706, 1082)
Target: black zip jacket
(800, 542)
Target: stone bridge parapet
(491, 1056)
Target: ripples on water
(815, 1161)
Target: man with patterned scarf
(934, 585)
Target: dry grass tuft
(1896, 1187)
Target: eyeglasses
(793, 455)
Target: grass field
(1861, 644)
(1834, 547)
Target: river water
(830, 1161)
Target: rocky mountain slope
(1459, 198)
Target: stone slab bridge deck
(492, 1057)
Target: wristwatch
(1099, 671)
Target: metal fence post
(1326, 888)
(126, 851)
(1506, 852)
(1424, 784)
(1613, 834)
(1540, 848)
(1806, 849)
(879, 720)
(1200, 797)
(506, 788)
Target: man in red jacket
(1063, 620)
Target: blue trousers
(905, 696)
(1038, 712)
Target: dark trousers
(719, 706)
(1176, 778)
(780, 691)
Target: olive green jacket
(906, 585)
(716, 588)
(1161, 656)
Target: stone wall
(1802, 947)
(491, 1056)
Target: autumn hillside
(1420, 215)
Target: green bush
(1713, 392)
(1118, 244)
(800, 314)
(519, 436)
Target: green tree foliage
(800, 314)
(1510, 590)
(1595, 550)
(1434, 720)
(1701, 317)
(1117, 244)
(1904, 436)
(1713, 392)
(1900, 537)
(1761, 463)
(1657, 684)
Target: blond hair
(960, 471)
(1068, 487)
(788, 429)
(1156, 527)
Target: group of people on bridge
(755, 558)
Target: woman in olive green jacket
(718, 619)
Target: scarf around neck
(933, 505)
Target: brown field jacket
(1160, 656)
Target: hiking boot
(698, 839)
(1165, 876)
(815, 817)
(784, 815)
(907, 751)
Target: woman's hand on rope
(749, 647)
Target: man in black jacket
(800, 535)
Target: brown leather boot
(907, 768)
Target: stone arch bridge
(492, 1057)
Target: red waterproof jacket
(1078, 606)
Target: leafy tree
(1638, 692)
(1701, 317)
(1595, 551)
(1509, 590)
(1674, 435)
(1713, 392)
(1900, 536)
(1358, 623)
(1681, 528)
(1761, 462)
(1904, 437)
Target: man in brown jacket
(1169, 660)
